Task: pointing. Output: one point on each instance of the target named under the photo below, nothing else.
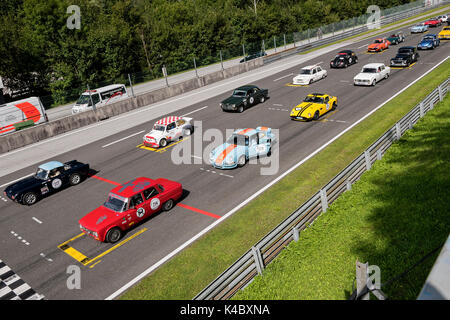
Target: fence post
(284, 39)
(263, 46)
(221, 59)
(422, 113)
(441, 95)
(361, 279)
(379, 154)
(349, 185)
(164, 71)
(309, 36)
(410, 124)
(367, 158)
(293, 37)
(398, 131)
(324, 200)
(296, 234)
(131, 86)
(275, 43)
(431, 105)
(195, 67)
(258, 260)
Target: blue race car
(419, 28)
(430, 41)
(241, 146)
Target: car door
(250, 97)
(138, 208)
(171, 130)
(56, 178)
(327, 105)
(253, 146)
(154, 199)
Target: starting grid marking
(215, 172)
(12, 287)
(296, 85)
(161, 150)
(400, 68)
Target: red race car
(433, 23)
(128, 205)
(378, 45)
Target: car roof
(245, 131)
(247, 87)
(317, 94)
(373, 65)
(310, 67)
(167, 120)
(51, 165)
(133, 187)
(407, 47)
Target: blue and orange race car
(241, 146)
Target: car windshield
(115, 204)
(239, 93)
(369, 70)
(447, 28)
(237, 139)
(313, 99)
(402, 55)
(41, 174)
(159, 127)
(378, 41)
(83, 99)
(305, 71)
(404, 51)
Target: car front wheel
(29, 198)
(242, 161)
(113, 235)
(163, 143)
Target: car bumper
(399, 64)
(298, 118)
(362, 82)
(227, 107)
(151, 144)
(223, 166)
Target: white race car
(167, 130)
(310, 74)
(371, 74)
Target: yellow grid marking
(161, 150)
(296, 85)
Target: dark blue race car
(430, 41)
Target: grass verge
(394, 215)
(195, 267)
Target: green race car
(244, 97)
(396, 38)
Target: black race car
(344, 59)
(405, 57)
(49, 177)
(244, 97)
(253, 56)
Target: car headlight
(309, 114)
(229, 161)
(298, 109)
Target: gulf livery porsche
(241, 146)
(314, 106)
(168, 129)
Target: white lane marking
(277, 109)
(6, 184)
(365, 45)
(120, 140)
(219, 173)
(290, 74)
(227, 215)
(346, 81)
(277, 105)
(197, 157)
(20, 238)
(37, 220)
(45, 257)
(184, 115)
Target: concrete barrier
(41, 132)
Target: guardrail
(349, 32)
(252, 263)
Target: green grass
(391, 218)
(191, 270)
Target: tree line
(40, 54)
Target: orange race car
(378, 45)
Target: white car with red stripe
(167, 130)
(19, 112)
(241, 146)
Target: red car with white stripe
(433, 23)
(167, 130)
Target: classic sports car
(405, 57)
(49, 177)
(378, 45)
(430, 41)
(433, 23)
(344, 59)
(128, 205)
(241, 146)
(168, 129)
(445, 33)
(314, 106)
(310, 74)
(244, 97)
(396, 38)
(419, 28)
(253, 56)
(371, 74)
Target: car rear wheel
(168, 205)
(262, 99)
(75, 179)
(374, 83)
(334, 106)
(113, 235)
(241, 109)
(187, 132)
(29, 198)
(163, 143)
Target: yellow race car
(314, 106)
(444, 34)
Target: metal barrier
(254, 260)
(349, 32)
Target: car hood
(338, 59)
(374, 45)
(155, 134)
(426, 42)
(233, 100)
(303, 76)
(364, 76)
(23, 184)
(303, 109)
(226, 151)
(99, 218)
